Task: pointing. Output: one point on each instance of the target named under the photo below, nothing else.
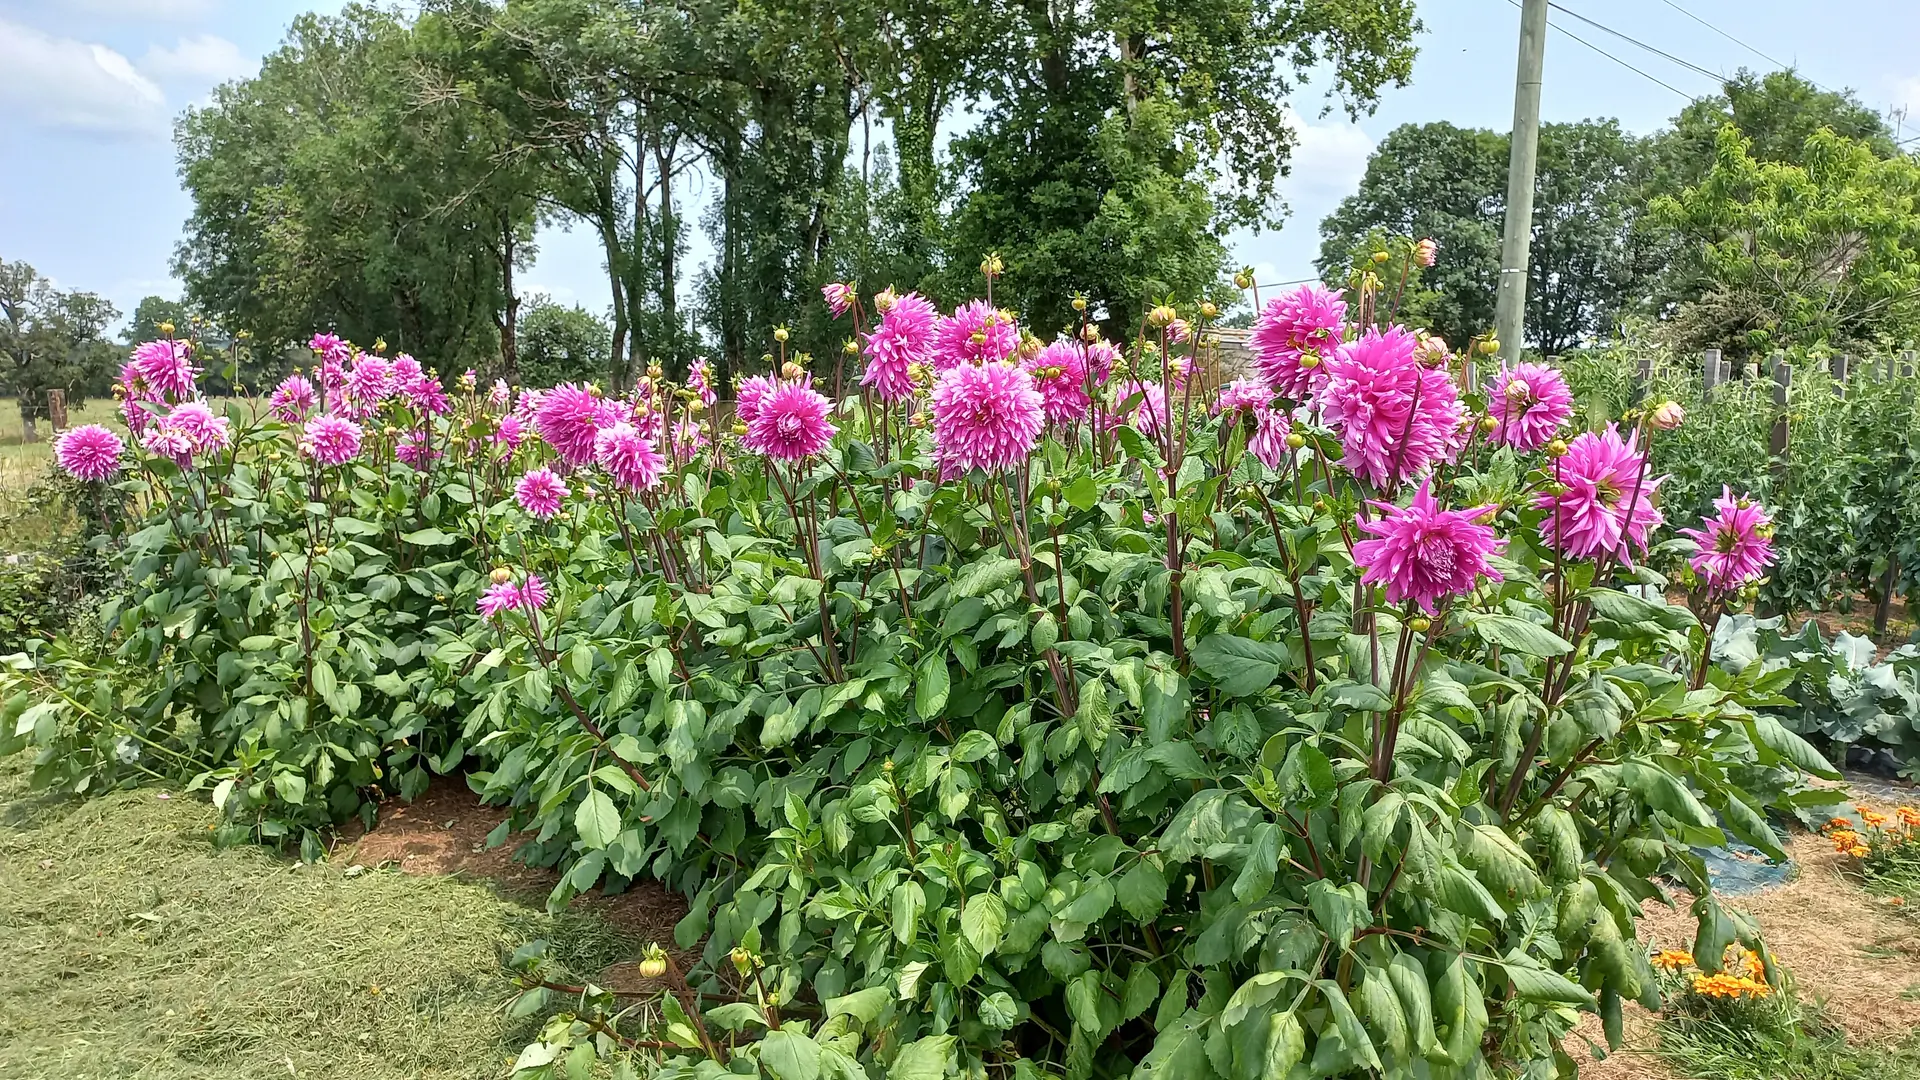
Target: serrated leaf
(1240, 666)
(596, 819)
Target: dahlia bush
(1330, 723)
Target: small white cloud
(201, 59)
(76, 85)
(1328, 159)
(155, 10)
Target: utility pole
(1509, 320)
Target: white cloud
(156, 10)
(64, 83)
(1328, 159)
(202, 59)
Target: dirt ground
(445, 832)
(1845, 949)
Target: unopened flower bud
(780, 333)
(379, 344)
(1295, 440)
(1079, 303)
(1488, 423)
(1667, 415)
(1380, 257)
(1162, 315)
(1309, 361)
(653, 967)
(501, 575)
(1320, 505)
(884, 300)
(791, 370)
(1420, 624)
(166, 328)
(1490, 346)
(1518, 390)
(851, 347)
(319, 549)
(739, 428)
(1208, 309)
(1090, 333)
(1243, 280)
(1557, 448)
(389, 431)
(1426, 251)
(887, 766)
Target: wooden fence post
(1710, 372)
(57, 410)
(1777, 444)
(1839, 364)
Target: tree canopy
(51, 339)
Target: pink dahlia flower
(509, 433)
(791, 423)
(1179, 330)
(164, 368)
(1396, 417)
(1425, 554)
(1243, 395)
(839, 296)
(416, 449)
(499, 394)
(689, 438)
(1426, 251)
(498, 599)
(1147, 414)
(975, 333)
(89, 452)
(905, 337)
(748, 394)
(369, 383)
(540, 492)
(1604, 499)
(292, 400)
(405, 369)
(1101, 357)
(1268, 443)
(533, 594)
(700, 381)
(331, 347)
(569, 418)
(1736, 543)
(1059, 372)
(629, 457)
(330, 440)
(986, 417)
(1528, 402)
(1293, 325)
(202, 430)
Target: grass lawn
(134, 949)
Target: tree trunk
(29, 431)
(669, 237)
(510, 319)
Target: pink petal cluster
(162, 370)
(509, 434)
(905, 337)
(1243, 395)
(330, 440)
(1293, 325)
(748, 393)
(986, 417)
(700, 381)
(369, 382)
(191, 428)
(1396, 417)
(504, 596)
(499, 395)
(540, 492)
(839, 296)
(790, 422)
(1101, 358)
(1528, 403)
(569, 418)
(1148, 414)
(1424, 554)
(1736, 543)
(629, 457)
(976, 332)
(1426, 251)
(1059, 372)
(1268, 443)
(331, 347)
(416, 449)
(89, 452)
(1603, 496)
(292, 400)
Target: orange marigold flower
(1672, 959)
(1909, 817)
(1844, 839)
(1836, 823)
(1857, 851)
(1872, 819)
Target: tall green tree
(563, 344)
(1776, 113)
(1592, 256)
(1824, 253)
(51, 339)
(330, 192)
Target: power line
(1730, 37)
(1617, 60)
(1714, 75)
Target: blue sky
(89, 194)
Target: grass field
(137, 950)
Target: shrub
(1162, 744)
